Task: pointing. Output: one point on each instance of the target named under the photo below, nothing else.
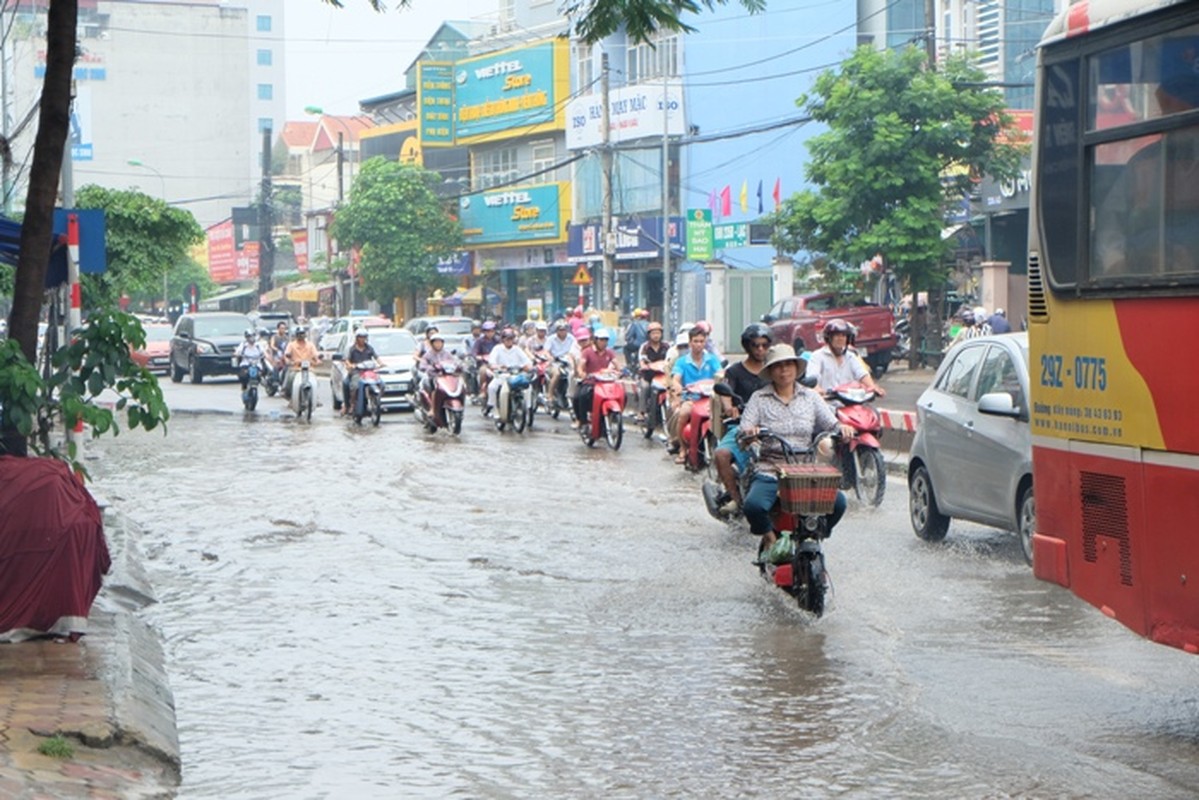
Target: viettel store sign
(524, 214)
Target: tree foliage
(903, 145)
(401, 227)
(96, 362)
(144, 239)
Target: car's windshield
(158, 333)
(454, 327)
(221, 326)
(393, 343)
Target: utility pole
(341, 194)
(608, 273)
(667, 310)
(266, 243)
(930, 32)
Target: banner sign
(522, 214)
(635, 238)
(435, 98)
(699, 234)
(299, 243)
(511, 89)
(731, 234)
(458, 265)
(634, 112)
(226, 263)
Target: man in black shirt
(360, 352)
(744, 379)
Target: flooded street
(379, 613)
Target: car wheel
(193, 370)
(1027, 519)
(177, 372)
(928, 523)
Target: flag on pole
(744, 198)
(712, 201)
(759, 196)
(726, 200)
(778, 193)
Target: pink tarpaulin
(52, 549)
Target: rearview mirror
(769, 319)
(998, 404)
(808, 381)
(723, 389)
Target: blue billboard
(520, 214)
(511, 89)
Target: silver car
(396, 348)
(972, 455)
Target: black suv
(204, 342)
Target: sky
(336, 57)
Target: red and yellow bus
(1113, 277)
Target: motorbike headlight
(204, 348)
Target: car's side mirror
(769, 319)
(998, 404)
(808, 381)
(183, 335)
(337, 357)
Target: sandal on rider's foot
(673, 448)
(680, 459)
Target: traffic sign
(582, 277)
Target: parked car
(972, 455)
(156, 355)
(335, 338)
(204, 342)
(397, 355)
(799, 321)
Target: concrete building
(181, 88)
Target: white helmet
(361, 332)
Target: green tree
(145, 239)
(903, 144)
(401, 226)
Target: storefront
(637, 258)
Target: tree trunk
(37, 226)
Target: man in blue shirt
(697, 364)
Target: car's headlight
(204, 348)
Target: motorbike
(275, 374)
(699, 441)
(606, 420)
(713, 491)
(861, 458)
(512, 401)
(442, 406)
(303, 393)
(470, 376)
(656, 407)
(807, 493)
(249, 395)
(368, 400)
(539, 392)
(559, 400)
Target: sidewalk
(107, 695)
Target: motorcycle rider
(361, 351)
(651, 351)
(481, 350)
(561, 347)
(425, 344)
(505, 357)
(796, 414)
(635, 335)
(595, 359)
(836, 364)
(696, 364)
(247, 353)
(435, 359)
(297, 352)
(744, 378)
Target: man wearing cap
(297, 352)
(507, 357)
(480, 351)
(794, 413)
(593, 360)
(635, 336)
(998, 322)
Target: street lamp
(137, 162)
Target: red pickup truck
(799, 320)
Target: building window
(543, 158)
(264, 23)
(266, 91)
(655, 59)
(584, 67)
(264, 58)
(495, 167)
(265, 124)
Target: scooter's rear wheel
(870, 475)
(807, 570)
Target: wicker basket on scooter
(808, 488)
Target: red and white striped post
(75, 313)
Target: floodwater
(380, 613)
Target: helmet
(682, 340)
(685, 328)
(594, 319)
(251, 333)
(507, 333)
(753, 331)
(301, 330)
(583, 334)
(967, 316)
(653, 326)
(637, 312)
(361, 332)
(436, 335)
(704, 327)
(980, 313)
(1001, 312)
(540, 325)
(578, 312)
(488, 325)
(429, 331)
(602, 333)
(835, 326)
(559, 325)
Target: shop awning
(214, 303)
(475, 297)
(305, 292)
(273, 296)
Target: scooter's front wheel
(376, 408)
(305, 403)
(516, 411)
(455, 421)
(614, 429)
(250, 398)
(870, 475)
